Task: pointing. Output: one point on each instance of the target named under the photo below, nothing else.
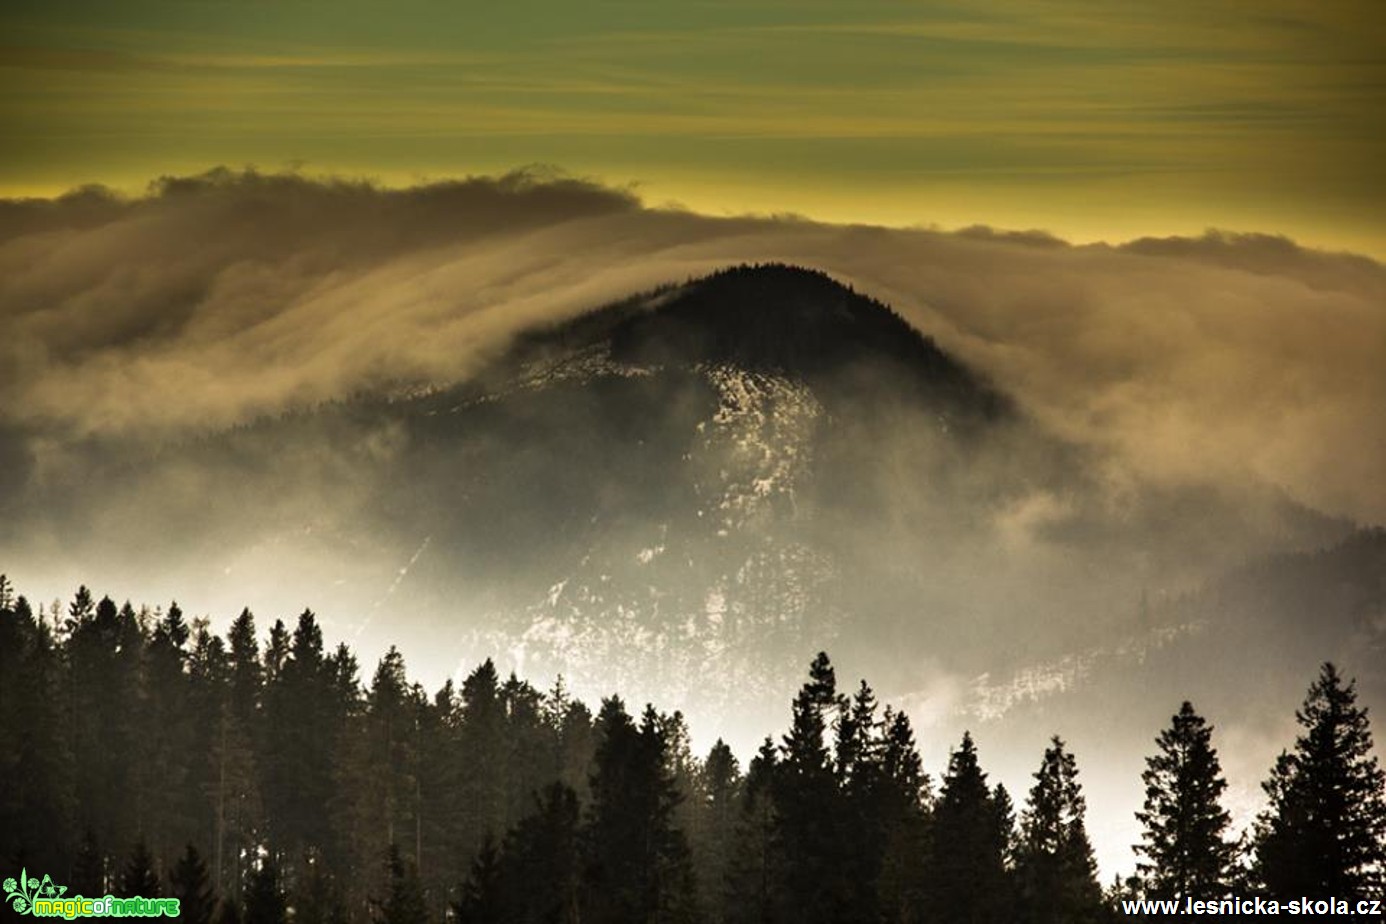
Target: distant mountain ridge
(718, 477)
(773, 318)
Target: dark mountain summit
(779, 319)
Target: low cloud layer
(1184, 376)
(218, 298)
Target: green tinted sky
(1092, 119)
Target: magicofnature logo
(46, 899)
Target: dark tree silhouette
(264, 895)
(37, 810)
(966, 873)
(192, 887)
(1056, 874)
(484, 894)
(139, 876)
(403, 902)
(273, 763)
(808, 807)
(1324, 833)
(715, 815)
(754, 879)
(1184, 842)
(639, 867)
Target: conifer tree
(192, 888)
(484, 897)
(808, 804)
(390, 725)
(317, 896)
(483, 753)
(527, 755)
(1324, 832)
(172, 807)
(1004, 808)
(37, 796)
(542, 862)
(264, 895)
(1184, 842)
(638, 864)
(966, 876)
(713, 838)
(903, 801)
(139, 876)
(102, 670)
(1056, 873)
(438, 795)
(403, 902)
(247, 674)
(755, 878)
(576, 746)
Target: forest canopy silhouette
(258, 778)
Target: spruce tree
(966, 875)
(541, 863)
(264, 896)
(484, 898)
(754, 879)
(1324, 832)
(809, 805)
(192, 887)
(317, 895)
(639, 867)
(902, 801)
(713, 839)
(246, 673)
(403, 902)
(483, 752)
(37, 796)
(139, 876)
(1056, 872)
(1184, 842)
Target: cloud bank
(217, 298)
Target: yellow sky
(1090, 120)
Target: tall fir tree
(1055, 870)
(809, 806)
(192, 886)
(1184, 843)
(483, 755)
(713, 838)
(903, 803)
(139, 877)
(638, 863)
(37, 798)
(755, 876)
(173, 806)
(1324, 832)
(966, 875)
(542, 859)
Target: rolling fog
(182, 378)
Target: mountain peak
(764, 316)
(787, 319)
